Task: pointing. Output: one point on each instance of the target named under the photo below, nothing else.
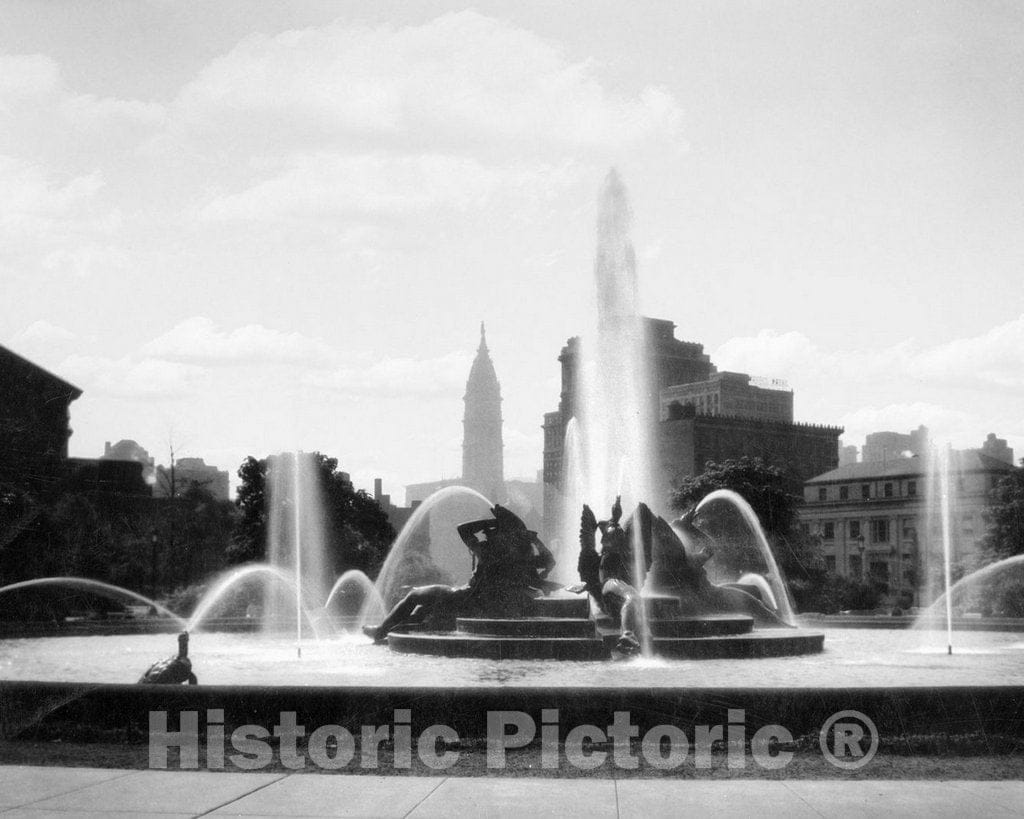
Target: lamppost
(152, 567)
(860, 548)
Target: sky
(242, 228)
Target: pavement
(32, 791)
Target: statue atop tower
(482, 458)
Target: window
(830, 563)
(865, 490)
(911, 489)
(844, 493)
(855, 565)
(854, 529)
(828, 530)
(888, 490)
(822, 493)
(879, 531)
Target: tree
(1004, 536)
(358, 533)
(249, 539)
(766, 489)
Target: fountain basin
(903, 680)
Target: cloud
(43, 334)
(34, 203)
(961, 389)
(198, 339)
(959, 427)
(992, 360)
(463, 77)
(126, 377)
(32, 84)
(57, 222)
(399, 377)
(996, 358)
(332, 185)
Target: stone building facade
(34, 422)
(880, 520)
(703, 415)
(731, 394)
(188, 471)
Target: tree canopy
(767, 489)
(1004, 536)
(358, 533)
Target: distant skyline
(252, 227)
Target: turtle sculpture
(172, 670)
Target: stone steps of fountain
(765, 643)
(769, 643)
(662, 608)
(711, 625)
(527, 626)
(576, 606)
(478, 646)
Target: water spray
(298, 556)
(944, 467)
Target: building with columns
(879, 520)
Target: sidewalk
(28, 791)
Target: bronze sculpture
(609, 577)
(172, 670)
(666, 566)
(510, 564)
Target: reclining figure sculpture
(510, 564)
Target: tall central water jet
(617, 412)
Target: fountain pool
(852, 658)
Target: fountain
(255, 675)
(354, 599)
(609, 454)
(995, 592)
(728, 518)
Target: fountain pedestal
(561, 628)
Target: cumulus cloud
(34, 81)
(199, 339)
(959, 427)
(34, 202)
(129, 378)
(58, 222)
(994, 359)
(42, 334)
(461, 76)
(398, 377)
(961, 390)
(332, 185)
